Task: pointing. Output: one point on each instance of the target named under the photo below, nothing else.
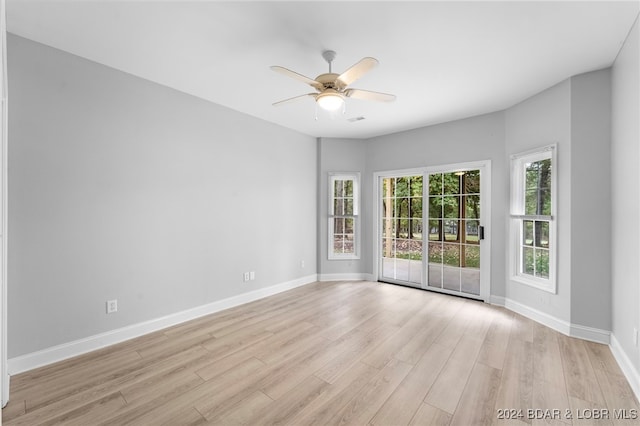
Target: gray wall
(473, 139)
(576, 115)
(541, 120)
(591, 199)
(625, 157)
(340, 155)
(120, 188)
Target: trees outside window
(344, 225)
(533, 221)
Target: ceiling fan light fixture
(330, 100)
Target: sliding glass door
(430, 230)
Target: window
(344, 222)
(533, 221)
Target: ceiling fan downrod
(329, 56)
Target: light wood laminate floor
(352, 353)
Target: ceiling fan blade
(295, 98)
(368, 95)
(356, 71)
(297, 76)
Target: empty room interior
(365, 212)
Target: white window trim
(355, 176)
(517, 216)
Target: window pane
(435, 207)
(338, 207)
(338, 243)
(544, 205)
(472, 206)
(435, 230)
(544, 167)
(542, 263)
(402, 187)
(451, 230)
(386, 188)
(542, 234)
(416, 207)
(527, 261)
(415, 250)
(348, 225)
(451, 207)
(403, 207)
(472, 256)
(343, 188)
(416, 186)
(387, 207)
(435, 253)
(404, 228)
(531, 175)
(387, 247)
(435, 184)
(527, 232)
(338, 225)
(472, 234)
(451, 183)
(538, 187)
(389, 228)
(451, 254)
(402, 247)
(416, 229)
(348, 206)
(435, 275)
(472, 182)
(348, 188)
(531, 201)
(348, 244)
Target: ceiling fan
(331, 88)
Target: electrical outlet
(112, 306)
(635, 336)
(302, 263)
(252, 275)
(247, 276)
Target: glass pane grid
(453, 231)
(402, 228)
(535, 248)
(342, 216)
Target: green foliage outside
(536, 232)
(536, 262)
(454, 212)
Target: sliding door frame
(485, 218)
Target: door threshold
(462, 296)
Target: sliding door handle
(482, 232)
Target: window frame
(355, 178)
(518, 216)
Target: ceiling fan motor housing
(329, 80)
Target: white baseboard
(78, 347)
(627, 367)
(345, 277)
(574, 330)
(589, 333)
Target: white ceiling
(443, 60)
